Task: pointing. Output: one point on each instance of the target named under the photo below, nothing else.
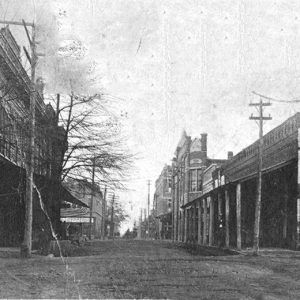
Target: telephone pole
(261, 118)
(92, 198)
(27, 241)
(139, 233)
(149, 209)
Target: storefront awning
(9, 172)
(65, 195)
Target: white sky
(183, 64)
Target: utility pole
(92, 198)
(27, 241)
(139, 233)
(148, 209)
(112, 225)
(57, 108)
(261, 118)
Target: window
(195, 180)
(169, 185)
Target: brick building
(188, 166)
(15, 89)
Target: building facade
(188, 167)
(15, 90)
(163, 204)
(223, 212)
(280, 204)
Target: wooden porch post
(227, 218)
(220, 213)
(238, 217)
(219, 225)
(194, 223)
(188, 235)
(211, 221)
(298, 196)
(199, 224)
(185, 231)
(180, 226)
(204, 221)
(285, 210)
(191, 223)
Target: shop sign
(76, 220)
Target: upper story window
(195, 180)
(175, 180)
(169, 185)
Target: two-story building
(79, 217)
(50, 145)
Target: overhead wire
(277, 100)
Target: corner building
(188, 167)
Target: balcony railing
(15, 67)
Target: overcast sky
(175, 65)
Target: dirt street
(152, 269)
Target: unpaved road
(152, 269)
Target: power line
(276, 100)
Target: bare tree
(92, 133)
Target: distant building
(79, 215)
(163, 204)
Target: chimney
(204, 142)
(229, 155)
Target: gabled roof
(196, 145)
